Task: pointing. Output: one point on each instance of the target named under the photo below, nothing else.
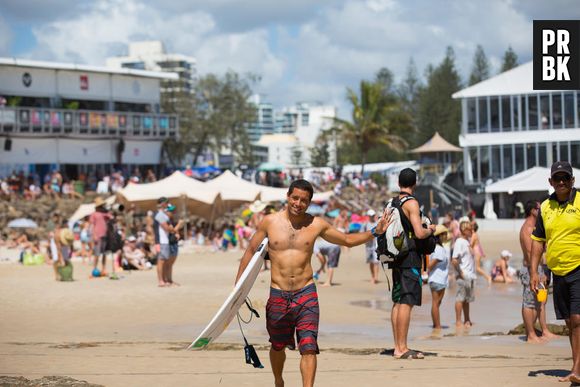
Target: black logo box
(573, 28)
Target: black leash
(249, 351)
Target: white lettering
(563, 74)
(548, 39)
(563, 40)
(548, 71)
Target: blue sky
(304, 50)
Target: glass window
(516, 108)
(569, 110)
(555, 155)
(484, 163)
(564, 151)
(532, 112)
(578, 107)
(506, 124)
(494, 110)
(545, 108)
(483, 123)
(471, 127)
(473, 155)
(495, 162)
(542, 155)
(557, 111)
(507, 158)
(531, 155)
(519, 156)
(575, 153)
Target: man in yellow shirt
(558, 226)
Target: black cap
(162, 200)
(561, 166)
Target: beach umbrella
(315, 209)
(271, 166)
(22, 223)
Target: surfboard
(236, 298)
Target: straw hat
(67, 237)
(99, 201)
(257, 206)
(440, 229)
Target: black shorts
(407, 284)
(567, 294)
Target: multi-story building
(80, 118)
(264, 123)
(151, 55)
(508, 127)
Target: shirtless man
(531, 308)
(293, 302)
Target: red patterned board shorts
(289, 311)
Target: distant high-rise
(151, 55)
(264, 123)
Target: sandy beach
(132, 333)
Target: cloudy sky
(304, 50)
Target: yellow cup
(542, 295)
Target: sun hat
(131, 238)
(257, 206)
(440, 229)
(371, 212)
(506, 254)
(66, 236)
(99, 201)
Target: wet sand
(132, 333)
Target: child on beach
(500, 272)
(464, 264)
(438, 269)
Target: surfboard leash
(249, 351)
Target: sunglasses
(564, 178)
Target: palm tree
(373, 115)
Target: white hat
(505, 254)
(257, 206)
(131, 238)
(371, 212)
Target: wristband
(373, 232)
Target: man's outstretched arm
(332, 235)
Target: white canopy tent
(234, 190)
(531, 180)
(87, 209)
(199, 199)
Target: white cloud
(5, 38)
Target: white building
(80, 118)
(264, 123)
(509, 127)
(151, 55)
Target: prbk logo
(556, 54)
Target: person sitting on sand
(500, 272)
(134, 256)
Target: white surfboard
(230, 307)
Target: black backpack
(114, 240)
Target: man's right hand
(534, 281)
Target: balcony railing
(21, 121)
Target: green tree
(214, 116)
(408, 92)
(373, 121)
(510, 60)
(438, 111)
(320, 155)
(480, 68)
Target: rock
(561, 330)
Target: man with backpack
(407, 269)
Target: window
(519, 156)
(545, 108)
(506, 124)
(473, 155)
(557, 111)
(575, 153)
(569, 110)
(495, 162)
(507, 158)
(532, 112)
(305, 119)
(516, 109)
(494, 110)
(483, 122)
(531, 152)
(555, 154)
(471, 126)
(564, 151)
(484, 163)
(542, 155)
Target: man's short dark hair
(407, 178)
(530, 205)
(302, 184)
